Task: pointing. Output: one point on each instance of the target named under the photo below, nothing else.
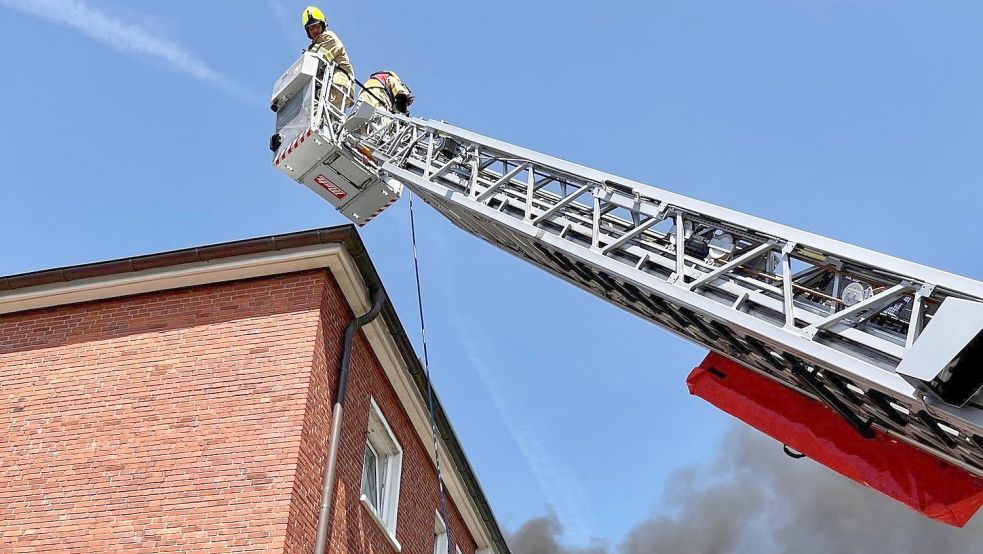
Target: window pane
(440, 543)
(370, 473)
(382, 479)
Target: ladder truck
(874, 363)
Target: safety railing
(334, 94)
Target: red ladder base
(926, 484)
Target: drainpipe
(327, 491)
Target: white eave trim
(173, 277)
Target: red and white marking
(327, 185)
(379, 211)
(293, 146)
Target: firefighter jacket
(329, 46)
(382, 88)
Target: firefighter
(384, 89)
(329, 46)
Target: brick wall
(194, 420)
(353, 529)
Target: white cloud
(126, 36)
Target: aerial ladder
(893, 350)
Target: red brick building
(182, 402)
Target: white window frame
(382, 440)
(374, 498)
(439, 534)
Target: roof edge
(342, 234)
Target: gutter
(327, 491)
(344, 235)
(445, 431)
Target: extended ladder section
(886, 343)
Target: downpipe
(327, 491)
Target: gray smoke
(541, 535)
(751, 498)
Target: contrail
(560, 486)
(290, 33)
(124, 36)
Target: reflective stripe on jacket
(385, 86)
(329, 46)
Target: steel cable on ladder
(430, 392)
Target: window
(439, 535)
(381, 467)
(371, 478)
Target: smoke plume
(751, 498)
(541, 535)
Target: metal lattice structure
(833, 321)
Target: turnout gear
(384, 89)
(329, 46)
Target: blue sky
(137, 127)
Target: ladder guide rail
(766, 295)
(886, 343)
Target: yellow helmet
(312, 15)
